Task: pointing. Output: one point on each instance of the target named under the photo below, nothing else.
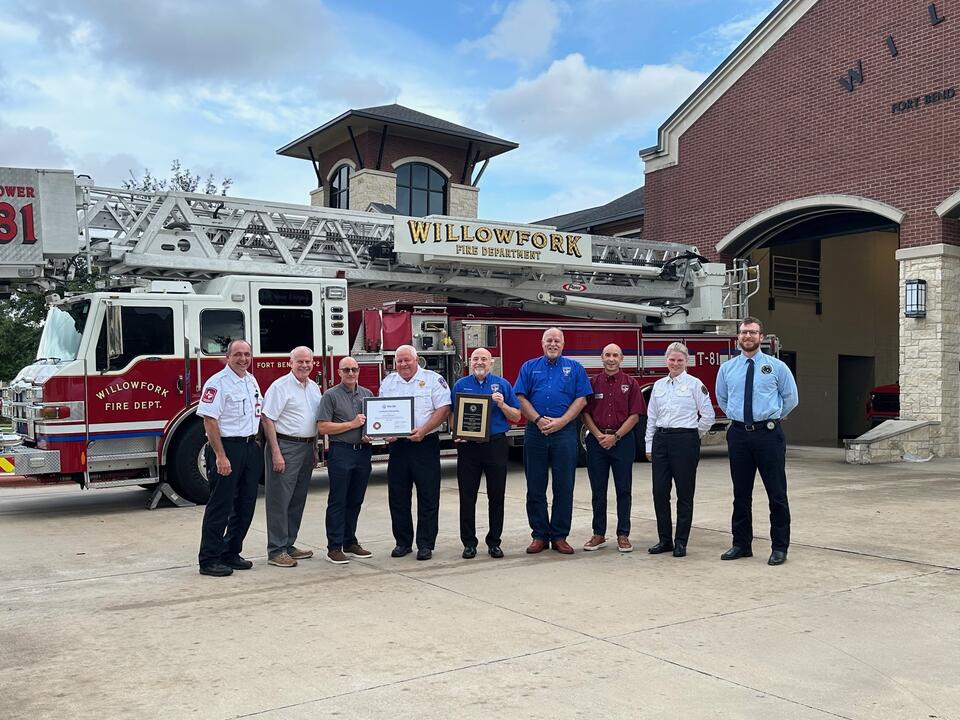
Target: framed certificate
(472, 417)
(388, 416)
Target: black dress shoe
(495, 552)
(400, 551)
(427, 553)
(679, 549)
(216, 570)
(777, 557)
(469, 552)
(736, 552)
(660, 547)
(236, 562)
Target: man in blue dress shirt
(484, 457)
(756, 392)
(552, 390)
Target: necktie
(748, 395)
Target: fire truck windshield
(63, 330)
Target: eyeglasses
(749, 332)
(349, 370)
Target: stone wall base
(895, 441)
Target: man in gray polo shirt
(348, 464)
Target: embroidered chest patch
(766, 369)
(625, 389)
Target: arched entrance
(829, 290)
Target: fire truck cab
(110, 399)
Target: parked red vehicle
(883, 404)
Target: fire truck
(110, 400)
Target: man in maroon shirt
(610, 415)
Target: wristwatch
(617, 436)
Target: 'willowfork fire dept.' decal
(128, 386)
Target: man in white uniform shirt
(678, 415)
(230, 407)
(415, 459)
(290, 412)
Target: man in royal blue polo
(757, 391)
(484, 457)
(552, 391)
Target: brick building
(824, 149)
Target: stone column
(930, 346)
(462, 200)
(369, 186)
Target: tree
(181, 180)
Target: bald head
(481, 363)
(612, 358)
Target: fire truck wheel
(581, 444)
(187, 468)
(639, 434)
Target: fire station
(823, 149)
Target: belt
(239, 439)
(611, 431)
(352, 446)
(675, 430)
(757, 425)
(496, 436)
(294, 438)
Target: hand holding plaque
(472, 417)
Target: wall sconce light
(915, 298)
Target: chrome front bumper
(22, 460)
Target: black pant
(600, 463)
(474, 459)
(233, 498)
(766, 451)
(414, 464)
(675, 458)
(348, 467)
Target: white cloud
(524, 34)
(724, 38)
(23, 146)
(169, 40)
(579, 103)
(14, 31)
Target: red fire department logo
(377, 426)
(209, 394)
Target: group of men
(551, 392)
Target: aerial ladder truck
(110, 399)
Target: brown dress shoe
(562, 546)
(537, 546)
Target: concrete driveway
(103, 613)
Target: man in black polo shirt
(348, 464)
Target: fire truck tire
(187, 468)
(639, 434)
(581, 444)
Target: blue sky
(109, 86)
